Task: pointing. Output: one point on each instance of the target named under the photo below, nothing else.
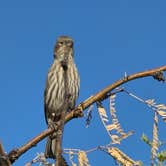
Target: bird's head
(63, 51)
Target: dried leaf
(115, 139)
(121, 157)
(115, 123)
(162, 114)
(161, 107)
(102, 112)
(113, 115)
(104, 117)
(113, 97)
(155, 141)
(71, 158)
(41, 159)
(150, 101)
(125, 135)
(111, 127)
(83, 159)
(89, 116)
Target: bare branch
(16, 153)
(78, 111)
(4, 160)
(101, 94)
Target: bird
(62, 88)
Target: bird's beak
(64, 62)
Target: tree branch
(156, 73)
(101, 94)
(4, 160)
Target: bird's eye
(60, 43)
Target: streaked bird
(62, 86)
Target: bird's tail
(50, 148)
(50, 151)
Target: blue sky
(111, 38)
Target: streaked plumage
(57, 86)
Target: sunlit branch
(156, 73)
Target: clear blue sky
(111, 37)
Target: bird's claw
(53, 125)
(79, 112)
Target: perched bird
(62, 88)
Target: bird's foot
(53, 125)
(79, 112)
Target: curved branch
(17, 152)
(101, 94)
(77, 112)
